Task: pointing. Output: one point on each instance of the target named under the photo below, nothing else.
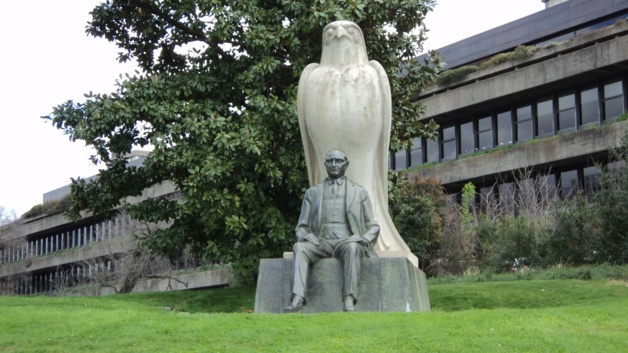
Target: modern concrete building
(550, 114)
(48, 253)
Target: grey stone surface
(386, 284)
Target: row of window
(76, 237)
(542, 190)
(540, 117)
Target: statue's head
(343, 44)
(336, 163)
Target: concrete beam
(481, 87)
(537, 152)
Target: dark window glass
(591, 175)
(590, 107)
(613, 100)
(467, 143)
(416, 152)
(401, 160)
(506, 197)
(524, 124)
(567, 112)
(432, 150)
(568, 184)
(504, 129)
(547, 188)
(449, 143)
(485, 133)
(487, 198)
(389, 161)
(545, 118)
(526, 195)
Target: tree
(215, 97)
(6, 216)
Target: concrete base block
(386, 284)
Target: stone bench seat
(386, 284)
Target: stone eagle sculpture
(345, 103)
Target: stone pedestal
(386, 284)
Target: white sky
(47, 59)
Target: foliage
(458, 74)
(418, 214)
(508, 242)
(576, 234)
(455, 75)
(520, 52)
(48, 208)
(215, 97)
(612, 205)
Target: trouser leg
(350, 254)
(305, 255)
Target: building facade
(541, 100)
(47, 253)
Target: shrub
(418, 213)
(612, 205)
(454, 75)
(576, 235)
(520, 52)
(48, 208)
(508, 242)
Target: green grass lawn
(534, 315)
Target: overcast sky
(47, 59)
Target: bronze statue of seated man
(336, 220)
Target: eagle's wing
(311, 160)
(384, 140)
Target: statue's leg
(305, 254)
(350, 254)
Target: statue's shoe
(296, 306)
(348, 303)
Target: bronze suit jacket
(359, 214)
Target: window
(487, 198)
(504, 129)
(524, 124)
(401, 160)
(613, 100)
(526, 195)
(506, 197)
(591, 175)
(449, 143)
(467, 138)
(589, 106)
(485, 133)
(416, 152)
(432, 150)
(547, 188)
(568, 184)
(545, 117)
(567, 112)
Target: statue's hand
(312, 239)
(356, 238)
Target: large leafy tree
(215, 98)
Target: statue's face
(336, 164)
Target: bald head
(336, 163)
